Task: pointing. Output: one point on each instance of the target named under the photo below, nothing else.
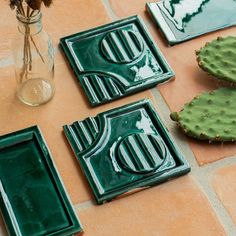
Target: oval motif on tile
(122, 46)
(142, 153)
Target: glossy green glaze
(124, 149)
(33, 200)
(115, 60)
(181, 20)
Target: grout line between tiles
(114, 17)
(180, 140)
(109, 10)
(204, 176)
(5, 62)
(84, 205)
(219, 164)
(201, 174)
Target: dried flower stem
(37, 49)
(31, 7)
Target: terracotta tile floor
(202, 203)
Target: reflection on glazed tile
(185, 19)
(115, 60)
(124, 149)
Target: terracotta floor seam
(109, 10)
(8, 61)
(225, 162)
(203, 179)
(84, 205)
(5, 62)
(182, 143)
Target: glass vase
(34, 61)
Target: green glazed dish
(115, 60)
(32, 197)
(181, 20)
(125, 149)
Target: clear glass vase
(34, 61)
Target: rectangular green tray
(124, 149)
(182, 20)
(32, 197)
(115, 60)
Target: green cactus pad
(211, 116)
(218, 58)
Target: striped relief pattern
(142, 153)
(101, 88)
(84, 132)
(121, 46)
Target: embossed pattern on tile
(138, 153)
(223, 181)
(122, 60)
(175, 208)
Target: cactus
(218, 58)
(210, 116)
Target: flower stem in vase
(34, 56)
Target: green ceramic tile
(181, 20)
(115, 60)
(32, 198)
(125, 149)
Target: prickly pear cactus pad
(210, 116)
(218, 58)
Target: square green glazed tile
(181, 20)
(32, 197)
(124, 149)
(115, 60)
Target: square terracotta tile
(223, 182)
(123, 8)
(175, 208)
(67, 17)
